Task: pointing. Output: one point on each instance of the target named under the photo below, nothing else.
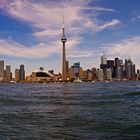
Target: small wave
(133, 93)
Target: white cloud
(10, 48)
(42, 50)
(47, 33)
(138, 17)
(46, 20)
(108, 24)
(99, 27)
(47, 16)
(96, 8)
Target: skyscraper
(67, 66)
(103, 59)
(108, 74)
(76, 67)
(63, 40)
(1, 70)
(103, 64)
(8, 73)
(100, 74)
(129, 69)
(22, 72)
(119, 73)
(17, 75)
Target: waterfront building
(119, 73)
(75, 71)
(76, 67)
(138, 74)
(67, 67)
(8, 73)
(64, 40)
(130, 69)
(133, 71)
(111, 65)
(1, 70)
(4, 75)
(71, 73)
(40, 77)
(22, 73)
(100, 74)
(81, 73)
(85, 75)
(17, 75)
(89, 75)
(108, 74)
(94, 73)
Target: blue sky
(30, 32)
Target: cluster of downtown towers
(109, 69)
(6, 74)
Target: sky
(31, 30)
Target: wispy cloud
(10, 48)
(46, 19)
(99, 27)
(47, 16)
(108, 24)
(46, 33)
(97, 8)
(138, 17)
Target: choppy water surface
(65, 111)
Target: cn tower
(64, 40)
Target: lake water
(70, 111)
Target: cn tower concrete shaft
(63, 40)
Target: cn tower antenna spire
(63, 22)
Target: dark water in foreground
(84, 111)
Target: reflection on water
(70, 111)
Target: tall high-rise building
(81, 73)
(1, 70)
(100, 74)
(71, 73)
(63, 40)
(76, 67)
(110, 63)
(103, 64)
(119, 73)
(103, 59)
(8, 73)
(108, 74)
(17, 75)
(22, 73)
(117, 63)
(129, 69)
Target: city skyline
(30, 32)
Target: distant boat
(77, 80)
(13, 82)
(107, 81)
